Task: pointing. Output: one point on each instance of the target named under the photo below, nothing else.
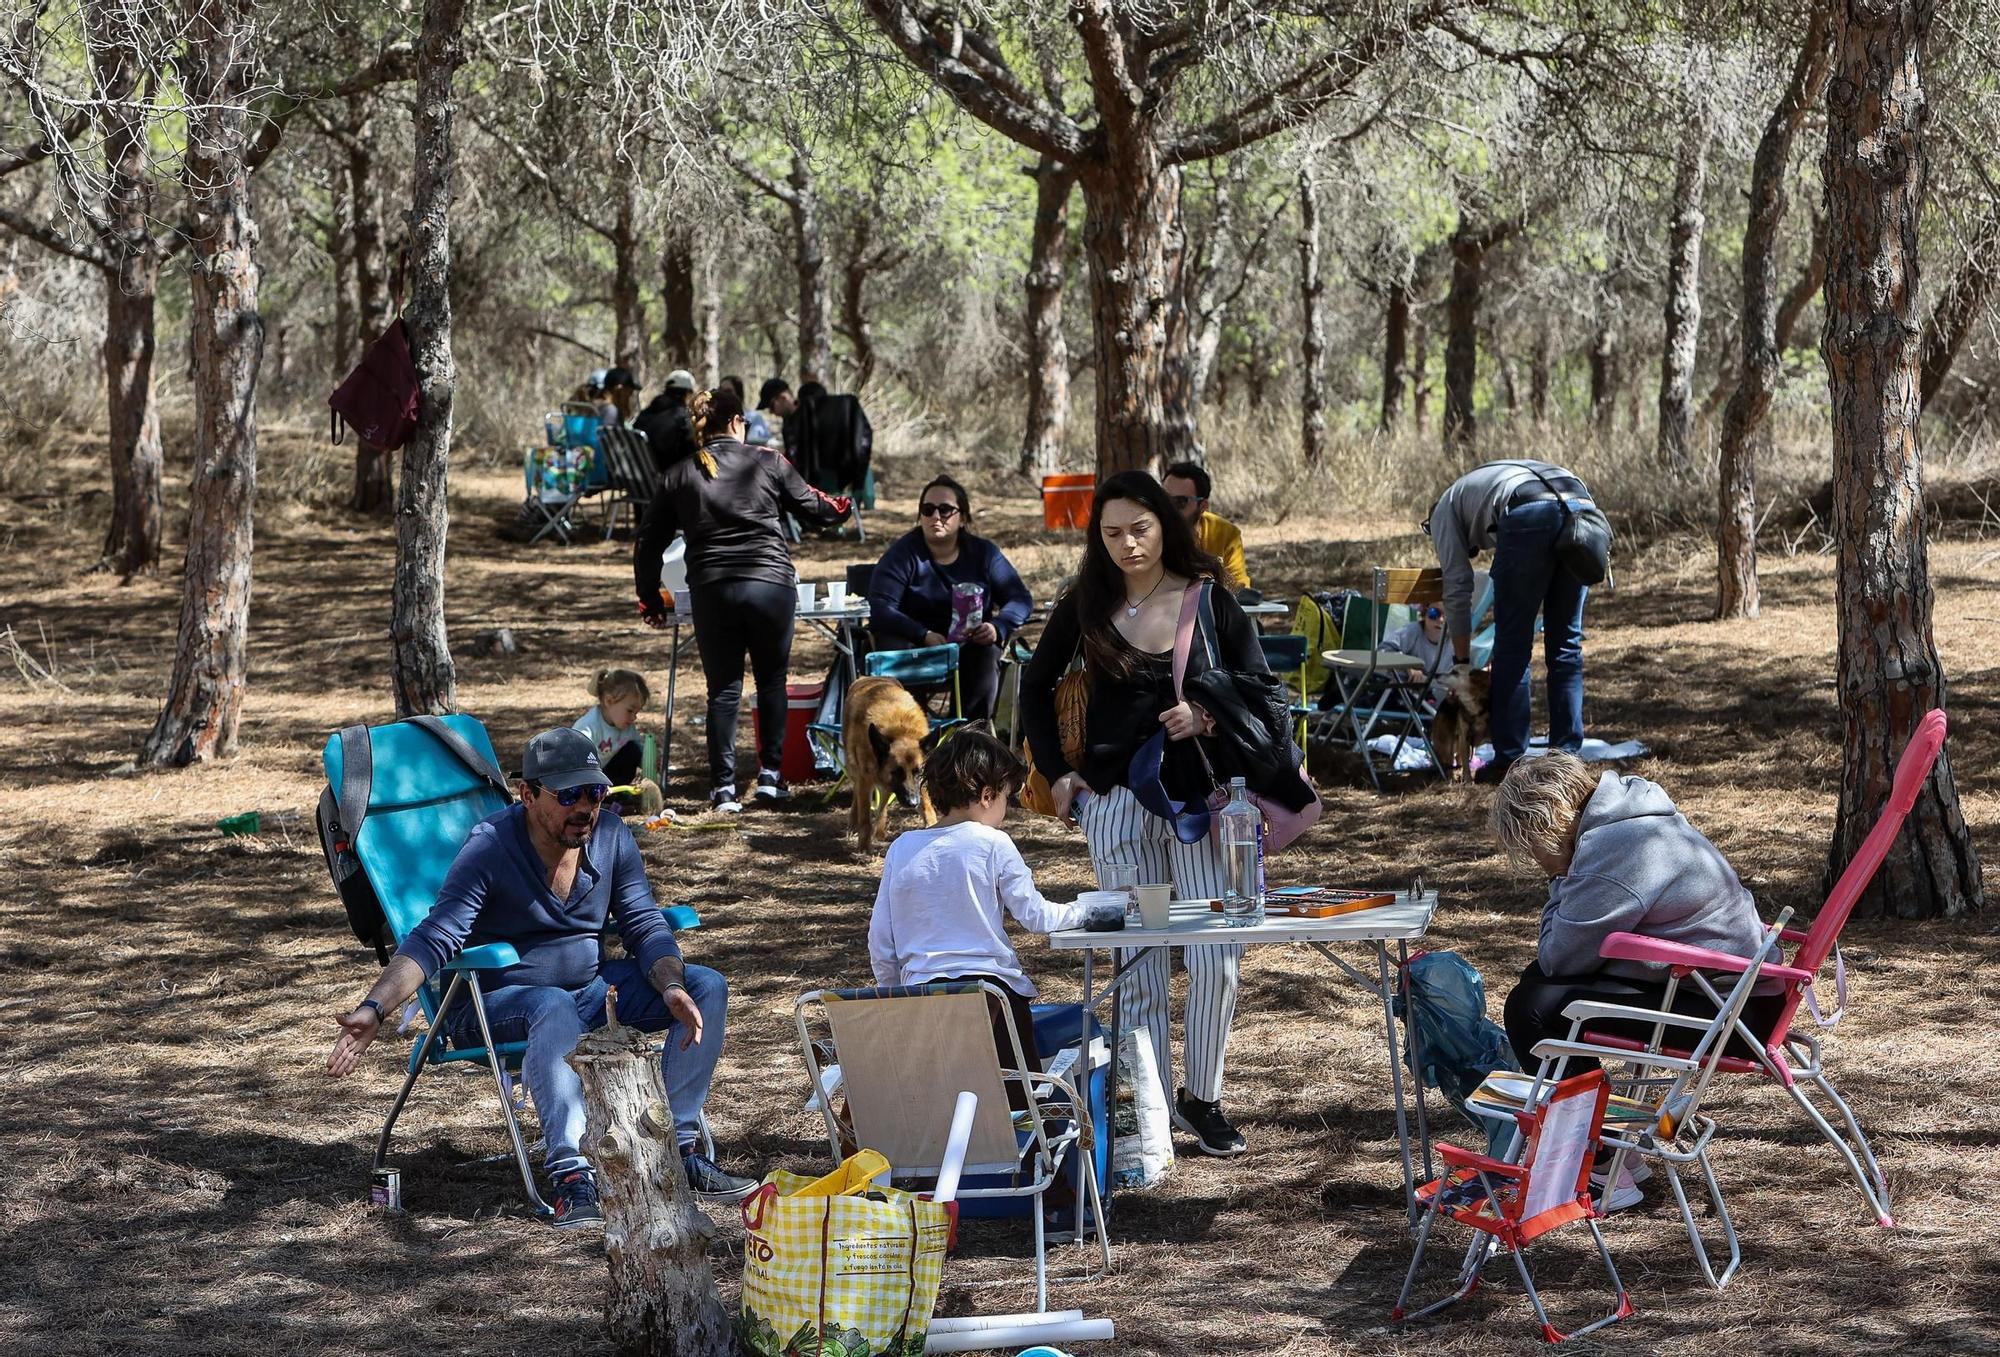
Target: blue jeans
(551, 1020)
(1528, 579)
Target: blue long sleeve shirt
(497, 891)
(910, 594)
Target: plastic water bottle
(1242, 858)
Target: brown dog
(886, 735)
(1463, 717)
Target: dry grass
(186, 1183)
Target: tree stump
(663, 1301)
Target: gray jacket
(1640, 867)
(1461, 526)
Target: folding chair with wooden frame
(906, 1052)
(1512, 1204)
(1403, 679)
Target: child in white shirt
(939, 911)
(613, 726)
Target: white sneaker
(723, 799)
(1625, 1194)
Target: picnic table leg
(1111, 1103)
(1396, 1081)
(673, 671)
(1417, 1055)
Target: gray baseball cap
(680, 379)
(562, 758)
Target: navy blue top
(910, 594)
(497, 891)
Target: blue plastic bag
(1449, 1040)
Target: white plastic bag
(674, 574)
(1146, 1151)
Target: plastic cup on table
(1154, 900)
(836, 594)
(1122, 877)
(806, 589)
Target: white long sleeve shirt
(939, 911)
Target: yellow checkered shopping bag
(837, 1273)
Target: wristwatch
(671, 986)
(380, 1016)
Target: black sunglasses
(936, 510)
(568, 797)
(1183, 501)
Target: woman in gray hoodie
(1620, 859)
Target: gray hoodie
(1640, 867)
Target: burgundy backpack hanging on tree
(380, 398)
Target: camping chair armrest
(1681, 957)
(1545, 1050)
(681, 918)
(1466, 1159)
(490, 957)
(1585, 1009)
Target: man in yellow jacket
(1187, 485)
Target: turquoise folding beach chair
(407, 797)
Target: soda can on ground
(385, 1190)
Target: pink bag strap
(1184, 631)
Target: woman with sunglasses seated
(910, 593)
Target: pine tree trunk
(662, 1300)
(1132, 244)
(1757, 378)
(815, 335)
(1683, 304)
(679, 336)
(1962, 304)
(855, 323)
(1887, 662)
(1604, 362)
(1420, 382)
(1470, 244)
(711, 322)
(132, 539)
(1048, 348)
(1541, 361)
(421, 669)
(364, 190)
(627, 306)
(1312, 301)
(204, 703)
(1395, 353)
(340, 254)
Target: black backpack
(343, 808)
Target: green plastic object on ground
(234, 826)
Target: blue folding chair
(1285, 655)
(408, 797)
(926, 667)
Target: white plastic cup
(836, 594)
(1153, 904)
(806, 588)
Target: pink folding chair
(1792, 1058)
(1512, 1205)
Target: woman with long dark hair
(729, 499)
(1119, 619)
(910, 592)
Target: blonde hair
(700, 409)
(611, 684)
(1536, 809)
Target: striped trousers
(1120, 830)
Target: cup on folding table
(1153, 904)
(806, 588)
(836, 594)
(1121, 877)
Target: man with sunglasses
(545, 875)
(1188, 485)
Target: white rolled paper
(954, 1147)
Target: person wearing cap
(665, 422)
(621, 397)
(1514, 509)
(545, 875)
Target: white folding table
(1193, 924)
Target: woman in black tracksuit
(730, 500)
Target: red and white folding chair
(1511, 1205)
(1792, 1058)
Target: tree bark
(815, 335)
(421, 669)
(204, 703)
(1420, 382)
(1683, 303)
(711, 321)
(132, 540)
(364, 190)
(1048, 347)
(1743, 417)
(662, 1301)
(1312, 300)
(1395, 352)
(1541, 361)
(1886, 657)
(1961, 304)
(628, 348)
(679, 335)
(340, 253)
(1470, 244)
(1132, 245)
(1604, 360)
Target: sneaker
(576, 1201)
(1205, 1122)
(1490, 774)
(711, 1184)
(771, 787)
(1618, 1198)
(723, 799)
(1636, 1169)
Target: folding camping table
(1193, 924)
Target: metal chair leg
(540, 1207)
(1701, 1258)
(1881, 1197)
(1879, 1204)
(416, 1068)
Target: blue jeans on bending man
(1528, 581)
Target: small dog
(1462, 719)
(886, 735)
